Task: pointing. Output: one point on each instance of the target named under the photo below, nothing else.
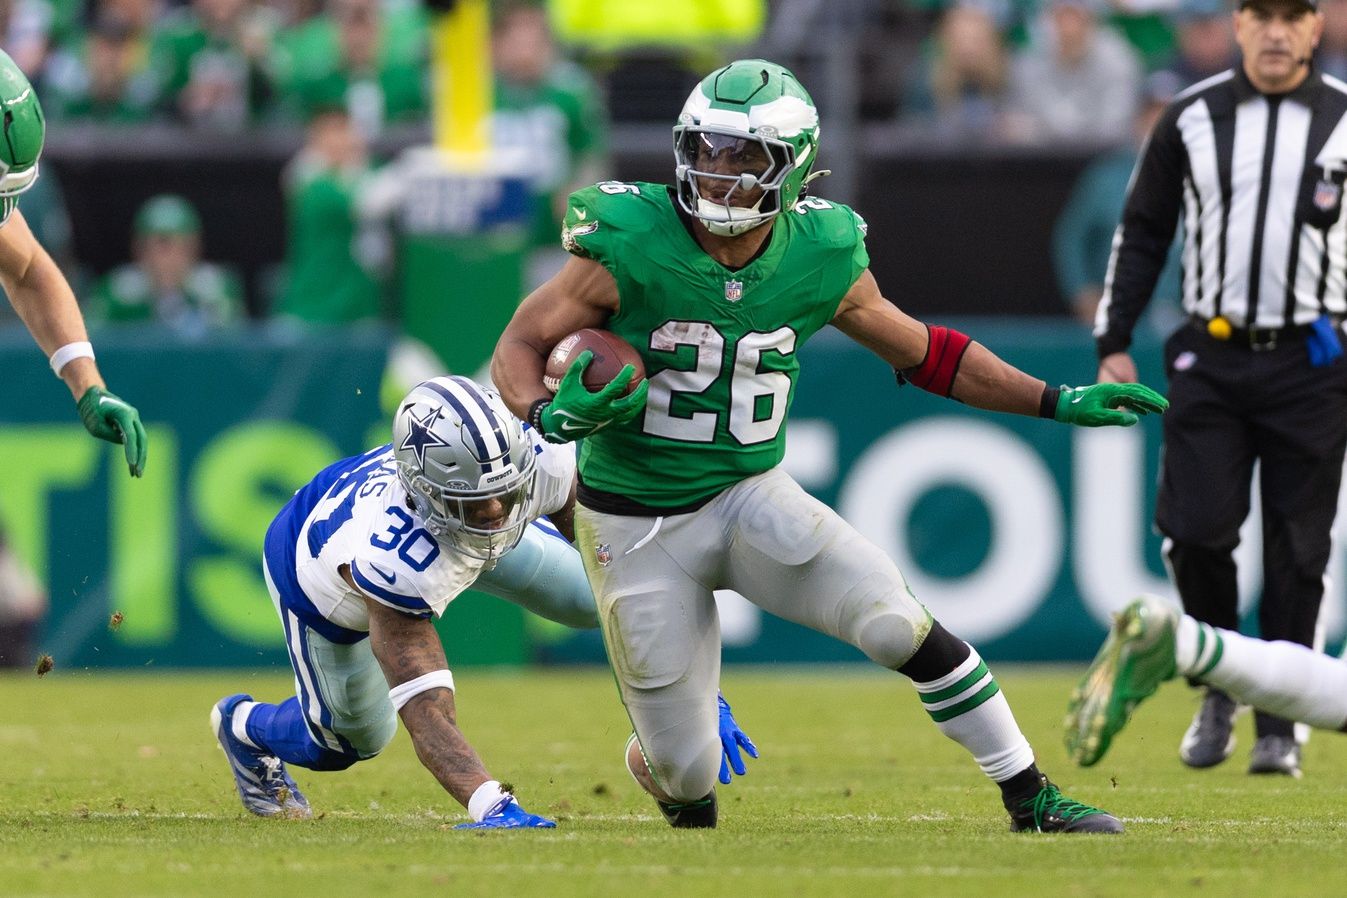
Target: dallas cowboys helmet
(466, 464)
(744, 146)
(23, 130)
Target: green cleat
(1049, 811)
(1136, 658)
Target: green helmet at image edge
(759, 100)
(24, 130)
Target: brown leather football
(611, 353)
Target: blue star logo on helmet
(420, 437)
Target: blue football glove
(1323, 342)
(510, 816)
(732, 739)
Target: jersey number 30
(748, 385)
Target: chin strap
(733, 227)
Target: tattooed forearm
(441, 747)
(407, 647)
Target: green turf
(113, 786)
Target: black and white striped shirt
(1258, 180)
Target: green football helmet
(744, 146)
(24, 130)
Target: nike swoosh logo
(390, 579)
(568, 427)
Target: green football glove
(1101, 405)
(112, 419)
(574, 412)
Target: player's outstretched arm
(409, 652)
(44, 301)
(948, 363)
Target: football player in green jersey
(35, 286)
(717, 282)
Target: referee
(1253, 160)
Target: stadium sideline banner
(1021, 535)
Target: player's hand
(1101, 405)
(575, 412)
(1117, 368)
(510, 816)
(732, 739)
(115, 420)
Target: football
(611, 354)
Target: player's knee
(327, 759)
(367, 737)
(883, 620)
(689, 774)
(889, 640)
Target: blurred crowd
(341, 73)
(963, 73)
(983, 70)
(1065, 70)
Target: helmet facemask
(483, 522)
(13, 183)
(742, 173)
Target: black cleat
(1211, 736)
(1049, 811)
(699, 814)
(1275, 754)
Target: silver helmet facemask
(466, 464)
(731, 213)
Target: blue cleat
(509, 815)
(264, 786)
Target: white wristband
(405, 692)
(68, 353)
(489, 799)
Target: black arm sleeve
(1145, 233)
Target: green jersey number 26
(748, 386)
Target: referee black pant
(1229, 405)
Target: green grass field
(111, 785)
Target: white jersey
(355, 514)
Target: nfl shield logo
(603, 554)
(1326, 195)
(734, 291)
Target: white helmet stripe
(474, 392)
(485, 437)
